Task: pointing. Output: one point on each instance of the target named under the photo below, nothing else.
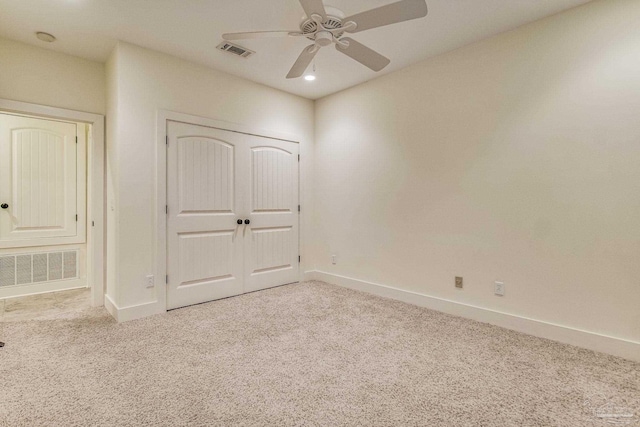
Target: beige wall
(40, 76)
(513, 159)
(144, 81)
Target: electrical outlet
(334, 259)
(499, 289)
(459, 282)
(150, 282)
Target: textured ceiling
(191, 29)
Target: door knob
(4, 206)
(246, 221)
(239, 222)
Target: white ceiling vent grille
(235, 49)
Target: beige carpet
(308, 354)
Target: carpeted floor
(307, 354)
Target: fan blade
(303, 61)
(314, 7)
(363, 54)
(393, 13)
(259, 35)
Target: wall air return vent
(235, 49)
(25, 269)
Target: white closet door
(204, 193)
(41, 167)
(271, 239)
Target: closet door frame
(163, 119)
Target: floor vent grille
(235, 49)
(25, 269)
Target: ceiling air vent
(235, 49)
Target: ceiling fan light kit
(312, 75)
(326, 26)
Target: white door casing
(216, 178)
(43, 182)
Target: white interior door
(215, 179)
(271, 241)
(204, 193)
(42, 182)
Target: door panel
(271, 249)
(196, 249)
(41, 169)
(271, 245)
(38, 171)
(205, 175)
(204, 246)
(271, 189)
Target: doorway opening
(51, 210)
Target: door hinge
(166, 279)
(167, 140)
(299, 258)
(93, 223)
(298, 208)
(76, 217)
(298, 157)
(166, 209)
(76, 139)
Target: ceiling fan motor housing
(323, 38)
(333, 21)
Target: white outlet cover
(334, 259)
(150, 282)
(499, 288)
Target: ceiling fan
(326, 26)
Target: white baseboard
(134, 312)
(41, 288)
(585, 339)
(111, 307)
